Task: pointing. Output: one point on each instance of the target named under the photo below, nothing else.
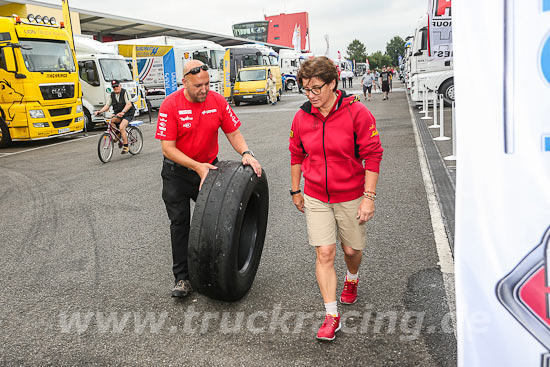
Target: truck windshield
(115, 69)
(203, 56)
(250, 60)
(47, 55)
(251, 75)
(217, 59)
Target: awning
(119, 28)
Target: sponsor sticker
(207, 112)
(185, 112)
(187, 125)
(187, 118)
(291, 133)
(161, 114)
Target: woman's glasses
(315, 90)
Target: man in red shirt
(187, 127)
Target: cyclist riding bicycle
(124, 111)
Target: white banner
(440, 32)
(502, 247)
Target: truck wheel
(228, 231)
(5, 138)
(448, 91)
(88, 120)
(237, 103)
(289, 84)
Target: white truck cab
(428, 74)
(289, 62)
(98, 65)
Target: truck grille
(62, 123)
(60, 111)
(57, 91)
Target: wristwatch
(292, 193)
(248, 152)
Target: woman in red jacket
(334, 142)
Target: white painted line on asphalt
(47, 146)
(441, 240)
(446, 262)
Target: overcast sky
(373, 22)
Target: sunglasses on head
(197, 69)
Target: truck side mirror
(10, 59)
(90, 75)
(418, 53)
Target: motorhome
(99, 64)
(40, 96)
(428, 74)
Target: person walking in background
(271, 87)
(334, 142)
(391, 78)
(385, 80)
(344, 77)
(376, 74)
(350, 78)
(367, 81)
(188, 124)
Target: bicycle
(106, 143)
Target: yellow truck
(251, 84)
(40, 95)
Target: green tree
(377, 60)
(357, 51)
(394, 48)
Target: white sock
(331, 308)
(352, 277)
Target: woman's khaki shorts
(324, 220)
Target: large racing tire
(5, 138)
(228, 231)
(448, 91)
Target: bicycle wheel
(135, 140)
(105, 147)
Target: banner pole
(452, 157)
(427, 108)
(435, 124)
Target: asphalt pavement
(85, 261)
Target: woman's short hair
(319, 67)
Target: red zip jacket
(332, 149)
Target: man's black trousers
(179, 185)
